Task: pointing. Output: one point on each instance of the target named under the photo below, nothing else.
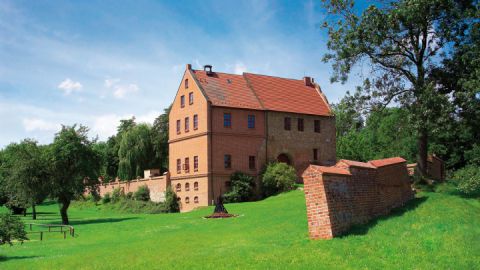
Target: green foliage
(472, 156)
(106, 198)
(117, 194)
(241, 188)
(142, 194)
(11, 228)
(74, 165)
(278, 177)
(136, 207)
(171, 201)
(468, 180)
(160, 140)
(129, 195)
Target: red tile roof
(227, 90)
(387, 161)
(355, 164)
(332, 170)
(263, 92)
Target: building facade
(221, 123)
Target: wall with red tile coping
(336, 201)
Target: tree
(278, 177)
(11, 228)
(136, 152)
(26, 176)
(241, 188)
(73, 166)
(403, 42)
(160, 139)
(171, 201)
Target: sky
(96, 62)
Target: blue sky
(96, 62)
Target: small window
(187, 165)
(187, 124)
(287, 123)
(178, 126)
(251, 121)
(186, 83)
(227, 120)
(195, 186)
(195, 121)
(178, 187)
(187, 187)
(179, 166)
(182, 101)
(227, 160)
(195, 163)
(190, 98)
(187, 200)
(316, 126)
(251, 163)
(195, 199)
(300, 124)
(315, 154)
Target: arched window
(187, 187)
(178, 187)
(195, 186)
(195, 200)
(187, 200)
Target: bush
(142, 194)
(278, 177)
(106, 198)
(117, 194)
(241, 188)
(11, 228)
(129, 195)
(171, 201)
(468, 180)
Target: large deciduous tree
(73, 165)
(160, 139)
(25, 174)
(403, 42)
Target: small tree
(278, 177)
(171, 201)
(468, 180)
(142, 194)
(117, 194)
(241, 188)
(11, 228)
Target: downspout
(210, 152)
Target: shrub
(278, 177)
(117, 194)
(11, 228)
(106, 198)
(129, 195)
(468, 180)
(171, 201)
(142, 194)
(241, 188)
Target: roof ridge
(271, 76)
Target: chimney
(208, 69)
(189, 66)
(308, 81)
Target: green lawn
(436, 231)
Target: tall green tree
(403, 42)
(160, 139)
(25, 174)
(74, 165)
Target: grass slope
(436, 231)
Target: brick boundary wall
(156, 184)
(351, 192)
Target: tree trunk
(34, 212)
(422, 142)
(63, 210)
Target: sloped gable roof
(386, 161)
(261, 92)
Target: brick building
(221, 123)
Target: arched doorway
(283, 158)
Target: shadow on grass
(396, 212)
(8, 258)
(100, 220)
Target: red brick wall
(335, 202)
(156, 185)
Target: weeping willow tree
(136, 152)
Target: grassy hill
(436, 231)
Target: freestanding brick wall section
(352, 192)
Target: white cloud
(120, 91)
(37, 124)
(110, 82)
(68, 86)
(239, 68)
(106, 125)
